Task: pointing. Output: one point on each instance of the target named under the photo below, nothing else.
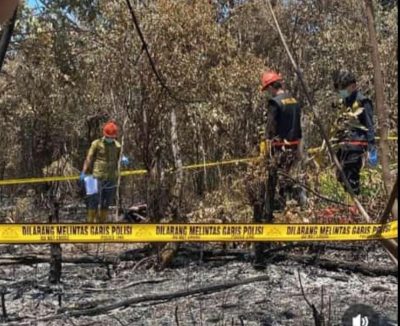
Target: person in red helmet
(102, 162)
(282, 149)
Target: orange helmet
(110, 129)
(268, 78)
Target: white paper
(91, 185)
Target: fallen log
(32, 260)
(155, 297)
(190, 252)
(335, 265)
(131, 255)
(272, 256)
(242, 254)
(132, 284)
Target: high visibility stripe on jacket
(286, 143)
(354, 142)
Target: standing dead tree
(94, 123)
(392, 200)
(171, 248)
(3, 292)
(383, 115)
(318, 316)
(55, 249)
(54, 197)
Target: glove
(124, 161)
(265, 147)
(373, 157)
(82, 177)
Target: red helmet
(268, 78)
(110, 129)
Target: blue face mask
(344, 93)
(108, 140)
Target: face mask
(108, 140)
(344, 93)
(267, 95)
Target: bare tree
(383, 114)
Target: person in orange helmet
(102, 162)
(282, 148)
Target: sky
(33, 3)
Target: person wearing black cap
(355, 128)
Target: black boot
(259, 261)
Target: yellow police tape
(204, 165)
(8, 182)
(118, 233)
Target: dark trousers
(105, 196)
(282, 160)
(351, 160)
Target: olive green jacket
(105, 158)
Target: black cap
(342, 79)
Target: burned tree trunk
(55, 249)
(201, 175)
(3, 292)
(170, 249)
(94, 123)
(152, 160)
(177, 191)
(118, 199)
(154, 190)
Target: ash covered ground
(271, 297)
